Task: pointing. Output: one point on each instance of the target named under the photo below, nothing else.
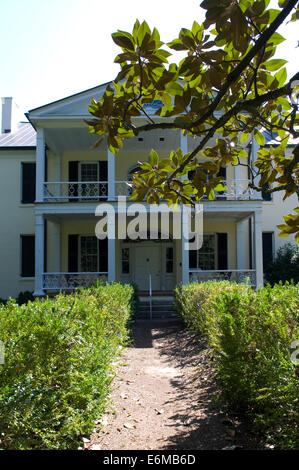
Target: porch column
(185, 252)
(56, 247)
(111, 247)
(237, 180)
(111, 176)
(258, 249)
(254, 149)
(39, 254)
(40, 163)
(183, 143)
(241, 234)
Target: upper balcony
(88, 191)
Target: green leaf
(259, 138)
(274, 64)
(124, 40)
(153, 158)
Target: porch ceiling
(77, 138)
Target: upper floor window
(265, 195)
(28, 183)
(27, 255)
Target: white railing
(66, 281)
(241, 276)
(77, 190)
(98, 190)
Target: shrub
(285, 267)
(24, 297)
(250, 334)
(58, 364)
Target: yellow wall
(16, 219)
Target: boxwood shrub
(251, 334)
(58, 364)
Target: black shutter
(28, 182)
(74, 176)
(73, 254)
(267, 248)
(265, 195)
(103, 176)
(27, 255)
(192, 259)
(222, 250)
(103, 255)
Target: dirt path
(163, 397)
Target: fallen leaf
(159, 412)
(129, 426)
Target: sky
(51, 49)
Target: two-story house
(52, 180)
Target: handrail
(150, 296)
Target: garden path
(164, 397)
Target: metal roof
(24, 136)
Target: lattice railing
(241, 276)
(65, 281)
(65, 191)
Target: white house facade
(52, 180)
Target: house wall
(16, 219)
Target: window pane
(27, 255)
(125, 261)
(169, 260)
(28, 183)
(89, 254)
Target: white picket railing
(66, 191)
(69, 281)
(241, 276)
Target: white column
(237, 180)
(185, 251)
(184, 143)
(40, 163)
(39, 254)
(258, 249)
(242, 244)
(111, 176)
(111, 247)
(56, 247)
(254, 149)
(185, 224)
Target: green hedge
(58, 364)
(251, 335)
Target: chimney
(9, 115)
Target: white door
(148, 261)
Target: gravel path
(163, 397)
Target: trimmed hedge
(250, 334)
(58, 364)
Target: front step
(162, 308)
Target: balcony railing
(241, 276)
(70, 281)
(236, 190)
(75, 191)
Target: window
(27, 255)
(266, 196)
(28, 183)
(205, 257)
(125, 261)
(89, 254)
(169, 260)
(267, 248)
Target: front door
(148, 262)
